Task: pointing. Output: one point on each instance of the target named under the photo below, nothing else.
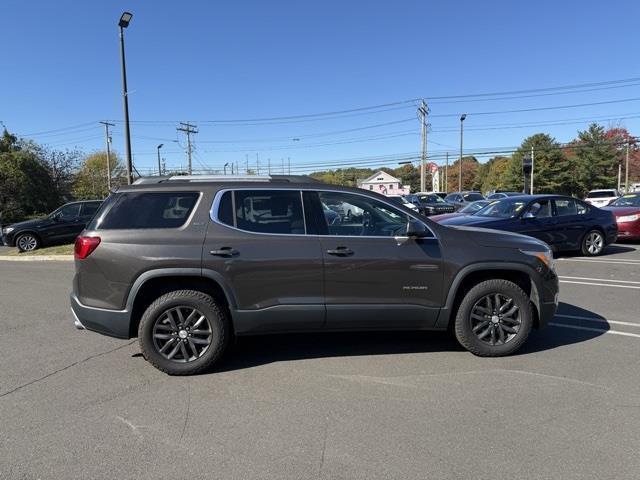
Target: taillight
(85, 246)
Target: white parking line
(598, 320)
(610, 261)
(599, 279)
(591, 329)
(601, 284)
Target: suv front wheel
(494, 318)
(183, 332)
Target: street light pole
(124, 23)
(225, 167)
(159, 167)
(462, 117)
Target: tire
(189, 321)
(27, 242)
(470, 330)
(593, 243)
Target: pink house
(382, 182)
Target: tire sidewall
(202, 302)
(463, 328)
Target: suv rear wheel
(183, 332)
(27, 242)
(494, 318)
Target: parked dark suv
(187, 263)
(61, 226)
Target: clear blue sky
(206, 60)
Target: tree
(91, 179)
(596, 159)
(552, 172)
(470, 167)
(490, 175)
(25, 184)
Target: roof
(379, 172)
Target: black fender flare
(445, 313)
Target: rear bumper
(113, 323)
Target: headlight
(545, 257)
(7, 230)
(628, 218)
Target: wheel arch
(27, 230)
(468, 277)
(152, 284)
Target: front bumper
(629, 230)
(113, 323)
(7, 240)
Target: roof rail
(220, 178)
(226, 178)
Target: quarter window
(137, 210)
(361, 216)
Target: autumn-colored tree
(470, 166)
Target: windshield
(474, 207)
(631, 200)
(602, 194)
(472, 197)
(506, 208)
(431, 199)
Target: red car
(627, 212)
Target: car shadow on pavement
(253, 351)
(608, 250)
(572, 324)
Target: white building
(382, 182)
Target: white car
(601, 198)
(403, 201)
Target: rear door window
(138, 210)
(264, 211)
(565, 207)
(89, 209)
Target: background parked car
(564, 223)
(627, 212)
(61, 226)
(470, 209)
(401, 200)
(462, 199)
(501, 195)
(601, 198)
(433, 204)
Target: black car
(61, 226)
(433, 204)
(564, 223)
(462, 199)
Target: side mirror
(528, 215)
(416, 229)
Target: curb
(37, 258)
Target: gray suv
(187, 263)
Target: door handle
(225, 252)
(341, 252)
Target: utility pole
(107, 139)
(257, 164)
(532, 167)
(246, 157)
(626, 170)
(269, 166)
(189, 130)
(422, 113)
(446, 174)
(289, 164)
(462, 117)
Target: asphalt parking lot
(75, 404)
